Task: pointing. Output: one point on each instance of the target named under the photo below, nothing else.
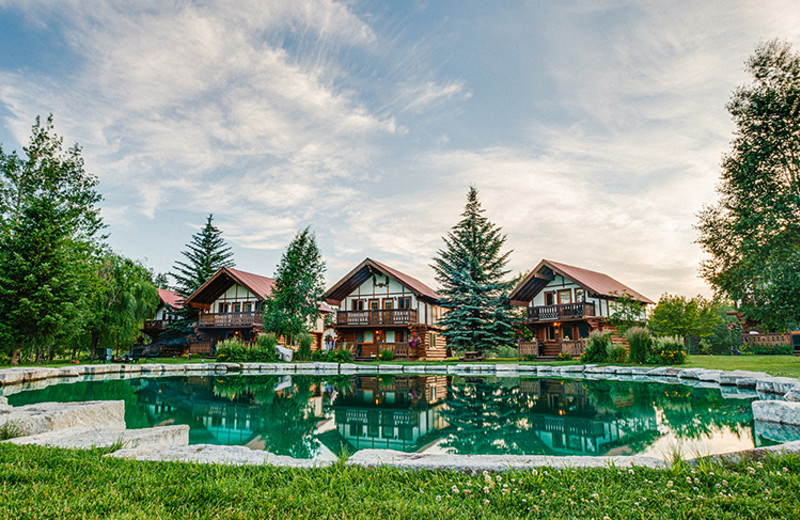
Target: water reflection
(307, 416)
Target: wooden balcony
(564, 311)
(551, 349)
(232, 319)
(398, 317)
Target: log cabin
(564, 304)
(230, 305)
(379, 308)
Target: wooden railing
(383, 317)
(233, 319)
(572, 347)
(767, 339)
(157, 324)
(563, 311)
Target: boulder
(784, 412)
(285, 354)
(44, 417)
(390, 369)
(87, 438)
(776, 385)
(212, 454)
(793, 394)
(741, 378)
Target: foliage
(640, 343)
(620, 354)
(267, 340)
(523, 334)
(414, 341)
(681, 316)
(628, 312)
(752, 234)
(121, 296)
(386, 355)
(563, 356)
(304, 341)
(772, 350)
(504, 352)
(10, 430)
(599, 348)
(726, 335)
(293, 304)
(205, 254)
(49, 227)
(470, 270)
(332, 356)
(234, 350)
(667, 351)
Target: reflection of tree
(112, 390)
(284, 421)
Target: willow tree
(752, 234)
(471, 273)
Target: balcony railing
(560, 312)
(232, 319)
(370, 318)
(574, 348)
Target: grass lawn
(48, 483)
(787, 366)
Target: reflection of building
(567, 420)
(400, 413)
(564, 304)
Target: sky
(593, 131)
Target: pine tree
(299, 287)
(471, 271)
(206, 254)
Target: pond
(319, 416)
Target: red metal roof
(170, 298)
(259, 285)
(357, 276)
(595, 282)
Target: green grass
(787, 366)
(48, 483)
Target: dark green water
(310, 416)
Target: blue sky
(593, 130)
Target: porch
(564, 311)
(232, 319)
(551, 349)
(403, 351)
(402, 317)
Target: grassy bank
(49, 483)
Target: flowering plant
(414, 341)
(523, 334)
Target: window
(368, 336)
(579, 295)
(374, 305)
(237, 307)
(549, 298)
(550, 333)
(564, 297)
(223, 308)
(388, 304)
(248, 307)
(358, 305)
(389, 336)
(404, 303)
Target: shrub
(773, 350)
(267, 340)
(231, 350)
(563, 356)
(304, 341)
(599, 348)
(332, 356)
(386, 355)
(667, 351)
(620, 354)
(234, 350)
(640, 342)
(504, 352)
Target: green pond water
(313, 416)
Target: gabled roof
(594, 282)
(207, 293)
(365, 270)
(170, 298)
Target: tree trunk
(16, 354)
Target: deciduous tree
(752, 235)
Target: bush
(504, 352)
(599, 348)
(667, 351)
(640, 342)
(304, 341)
(386, 355)
(773, 350)
(332, 356)
(267, 340)
(563, 356)
(620, 354)
(234, 350)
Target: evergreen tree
(206, 254)
(752, 235)
(471, 271)
(299, 287)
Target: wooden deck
(400, 317)
(551, 349)
(232, 319)
(561, 312)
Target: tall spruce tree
(299, 287)
(205, 254)
(471, 271)
(752, 235)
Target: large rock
(784, 412)
(742, 378)
(398, 459)
(16, 375)
(211, 454)
(776, 385)
(390, 369)
(44, 417)
(776, 432)
(286, 354)
(86, 438)
(793, 394)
